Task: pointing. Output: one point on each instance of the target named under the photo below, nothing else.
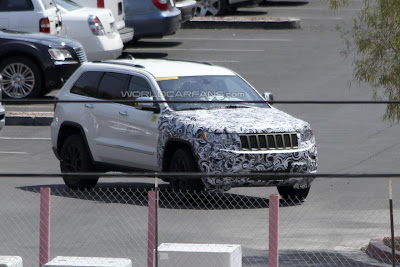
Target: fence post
(151, 228)
(273, 257)
(44, 242)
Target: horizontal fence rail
(191, 175)
(51, 101)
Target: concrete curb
(359, 256)
(29, 118)
(242, 23)
(380, 251)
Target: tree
(374, 39)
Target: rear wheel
(211, 7)
(289, 193)
(182, 161)
(75, 158)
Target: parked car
(187, 8)
(2, 110)
(177, 137)
(152, 18)
(32, 64)
(220, 7)
(30, 16)
(117, 9)
(94, 28)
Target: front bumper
(285, 161)
(2, 117)
(188, 9)
(58, 74)
(126, 34)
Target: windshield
(209, 88)
(68, 5)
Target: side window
(138, 87)
(15, 5)
(113, 85)
(87, 84)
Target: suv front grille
(269, 141)
(2, 116)
(81, 54)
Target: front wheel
(22, 78)
(289, 193)
(75, 158)
(182, 161)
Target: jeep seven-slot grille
(269, 141)
(81, 54)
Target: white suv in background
(30, 16)
(117, 9)
(210, 138)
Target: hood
(41, 38)
(241, 120)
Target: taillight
(95, 25)
(44, 25)
(55, 103)
(100, 3)
(161, 4)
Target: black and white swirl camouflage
(218, 155)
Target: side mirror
(146, 103)
(268, 97)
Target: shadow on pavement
(152, 44)
(125, 193)
(248, 13)
(144, 55)
(284, 3)
(297, 258)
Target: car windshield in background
(68, 5)
(208, 88)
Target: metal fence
(332, 227)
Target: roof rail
(118, 62)
(191, 61)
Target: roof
(160, 68)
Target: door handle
(123, 113)
(89, 105)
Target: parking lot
(303, 64)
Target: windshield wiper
(235, 106)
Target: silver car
(2, 111)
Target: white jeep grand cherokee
(177, 137)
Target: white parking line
(229, 39)
(13, 152)
(198, 49)
(24, 138)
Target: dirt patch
(388, 242)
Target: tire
(182, 161)
(22, 78)
(210, 7)
(288, 193)
(75, 158)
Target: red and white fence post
(152, 227)
(44, 243)
(273, 257)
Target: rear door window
(113, 85)
(87, 84)
(15, 5)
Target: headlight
(218, 138)
(59, 54)
(307, 135)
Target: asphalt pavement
(328, 229)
